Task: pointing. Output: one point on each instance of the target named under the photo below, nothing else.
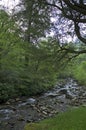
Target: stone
(7, 103)
(13, 108)
(35, 109)
(43, 108)
(74, 99)
(20, 118)
(50, 94)
(32, 105)
(44, 112)
(53, 112)
(17, 99)
(31, 101)
(69, 96)
(29, 121)
(63, 91)
(50, 115)
(11, 100)
(83, 105)
(38, 110)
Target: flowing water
(16, 113)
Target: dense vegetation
(75, 69)
(19, 77)
(71, 120)
(32, 63)
(28, 69)
(79, 72)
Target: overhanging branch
(77, 30)
(73, 51)
(77, 7)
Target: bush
(79, 73)
(6, 91)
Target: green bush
(6, 91)
(79, 73)
(35, 84)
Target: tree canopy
(69, 15)
(30, 61)
(35, 18)
(72, 10)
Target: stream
(15, 113)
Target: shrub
(6, 91)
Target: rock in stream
(16, 113)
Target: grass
(74, 119)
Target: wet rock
(84, 94)
(69, 96)
(61, 98)
(22, 104)
(76, 102)
(38, 110)
(17, 99)
(50, 115)
(5, 123)
(52, 112)
(13, 108)
(43, 108)
(31, 101)
(74, 99)
(7, 103)
(50, 94)
(50, 107)
(29, 120)
(63, 91)
(44, 112)
(32, 105)
(84, 105)
(21, 118)
(5, 111)
(11, 100)
(47, 105)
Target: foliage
(6, 91)
(75, 69)
(79, 72)
(35, 18)
(17, 76)
(73, 119)
(28, 69)
(10, 55)
(40, 74)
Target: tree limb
(77, 7)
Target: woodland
(42, 42)
(31, 59)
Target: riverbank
(16, 113)
(74, 119)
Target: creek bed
(16, 113)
